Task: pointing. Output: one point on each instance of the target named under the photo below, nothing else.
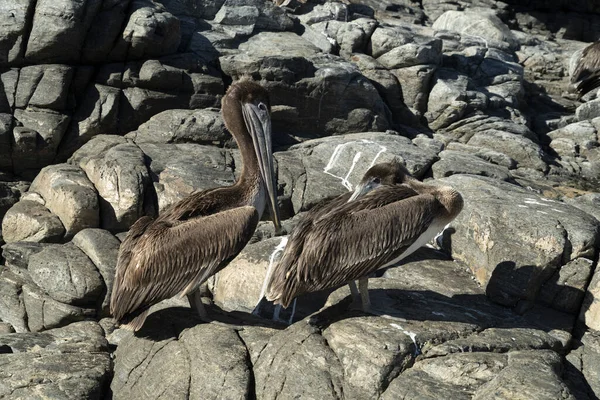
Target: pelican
(388, 217)
(586, 76)
(201, 234)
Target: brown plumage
(202, 233)
(389, 216)
(586, 76)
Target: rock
(121, 178)
(322, 168)
(182, 361)
(31, 221)
(421, 50)
(98, 113)
(69, 194)
(183, 126)
(590, 203)
(566, 289)
(525, 152)
(483, 24)
(14, 26)
(44, 86)
(494, 157)
(497, 214)
(17, 254)
(454, 162)
(180, 169)
(351, 37)
(73, 362)
(310, 85)
(590, 309)
(416, 84)
(10, 191)
(102, 248)
(66, 274)
(12, 306)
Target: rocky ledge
(110, 111)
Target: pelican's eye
(262, 106)
(377, 180)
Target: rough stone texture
(590, 310)
(31, 221)
(514, 250)
(66, 274)
(102, 248)
(69, 194)
(67, 363)
(454, 162)
(120, 176)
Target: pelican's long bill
(258, 121)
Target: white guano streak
(336, 155)
(280, 247)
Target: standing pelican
(388, 217)
(202, 233)
(586, 76)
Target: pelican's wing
(351, 241)
(168, 258)
(587, 73)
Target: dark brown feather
(340, 241)
(586, 75)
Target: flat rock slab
(454, 162)
(66, 363)
(31, 221)
(514, 240)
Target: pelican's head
(247, 112)
(389, 173)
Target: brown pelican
(586, 76)
(199, 235)
(388, 217)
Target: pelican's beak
(362, 189)
(258, 122)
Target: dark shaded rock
(10, 191)
(590, 309)
(14, 25)
(565, 290)
(44, 86)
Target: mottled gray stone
(69, 194)
(454, 162)
(66, 274)
(65, 363)
(590, 203)
(565, 290)
(514, 240)
(183, 126)
(10, 191)
(31, 221)
(102, 248)
(14, 19)
(588, 110)
(590, 309)
(44, 86)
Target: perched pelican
(202, 233)
(586, 76)
(388, 217)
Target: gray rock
(10, 191)
(150, 32)
(98, 113)
(447, 99)
(12, 306)
(590, 203)
(416, 84)
(203, 361)
(183, 126)
(102, 248)
(590, 309)
(5, 327)
(66, 274)
(31, 221)
(495, 216)
(454, 162)
(73, 362)
(525, 152)
(14, 27)
(328, 11)
(494, 157)
(422, 50)
(298, 362)
(180, 169)
(350, 37)
(44, 86)
(120, 176)
(6, 136)
(321, 168)
(69, 194)
(565, 290)
(466, 128)
(43, 312)
(103, 32)
(483, 24)
(588, 110)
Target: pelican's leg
(195, 300)
(363, 287)
(355, 295)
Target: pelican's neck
(250, 175)
(450, 199)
